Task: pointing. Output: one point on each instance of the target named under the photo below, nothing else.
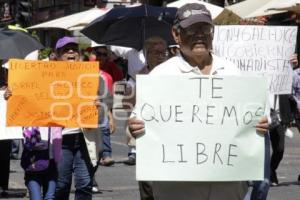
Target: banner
(263, 50)
(7, 133)
(200, 128)
(53, 93)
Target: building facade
(30, 12)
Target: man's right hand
(136, 127)
(7, 93)
(294, 60)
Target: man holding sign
(193, 31)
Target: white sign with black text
(200, 128)
(260, 50)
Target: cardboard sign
(260, 50)
(53, 93)
(200, 128)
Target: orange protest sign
(52, 93)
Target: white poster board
(200, 128)
(264, 50)
(7, 132)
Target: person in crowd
(155, 51)
(281, 110)
(5, 145)
(14, 154)
(135, 63)
(108, 125)
(39, 160)
(102, 55)
(40, 154)
(193, 32)
(80, 146)
(296, 92)
(282, 117)
(296, 89)
(295, 17)
(5, 166)
(260, 189)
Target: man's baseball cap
(192, 13)
(64, 41)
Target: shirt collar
(186, 67)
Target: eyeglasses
(159, 53)
(70, 48)
(193, 30)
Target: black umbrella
(17, 44)
(130, 27)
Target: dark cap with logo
(192, 13)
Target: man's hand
(294, 60)
(136, 127)
(7, 93)
(97, 103)
(262, 125)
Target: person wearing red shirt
(106, 64)
(108, 80)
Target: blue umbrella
(130, 27)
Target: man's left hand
(294, 60)
(263, 125)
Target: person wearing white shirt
(193, 32)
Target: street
(118, 181)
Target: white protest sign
(264, 50)
(7, 132)
(200, 128)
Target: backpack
(35, 157)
